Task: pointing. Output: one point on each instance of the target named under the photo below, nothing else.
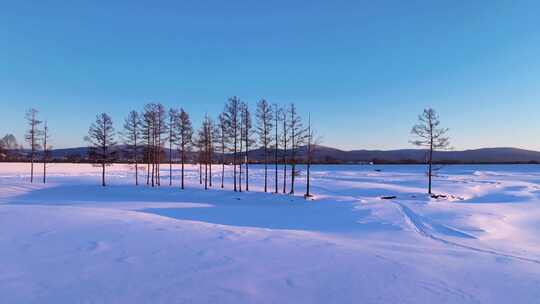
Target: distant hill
(332, 155)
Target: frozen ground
(71, 241)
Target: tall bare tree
(210, 147)
(285, 141)
(232, 117)
(102, 143)
(154, 130)
(46, 150)
(240, 152)
(185, 133)
(264, 132)
(297, 138)
(204, 140)
(161, 130)
(222, 128)
(172, 138)
(146, 134)
(312, 144)
(247, 131)
(276, 146)
(32, 137)
(148, 126)
(428, 134)
(131, 137)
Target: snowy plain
(73, 241)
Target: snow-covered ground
(72, 241)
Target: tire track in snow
(419, 225)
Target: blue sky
(363, 69)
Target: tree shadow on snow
(226, 207)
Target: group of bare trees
(278, 131)
(38, 138)
(277, 128)
(147, 135)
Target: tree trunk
(210, 156)
(247, 163)
(234, 163)
(170, 164)
(293, 170)
(153, 157)
(103, 173)
(148, 153)
(430, 165)
(210, 172)
(32, 167)
(182, 177)
(147, 165)
(293, 157)
(308, 194)
(276, 157)
(44, 156)
(222, 161)
(206, 174)
(240, 166)
(183, 159)
(285, 173)
(265, 168)
(136, 168)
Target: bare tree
(131, 137)
(172, 138)
(160, 130)
(154, 128)
(276, 145)
(146, 132)
(200, 153)
(32, 137)
(204, 140)
(264, 131)
(222, 127)
(285, 141)
(429, 135)
(247, 131)
(102, 143)
(312, 143)
(148, 126)
(209, 146)
(46, 150)
(185, 133)
(241, 162)
(297, 138)
(231, 114)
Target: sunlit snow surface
(72, 241)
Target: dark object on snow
(378, 170)
(437, 196)
(388, 197)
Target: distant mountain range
(324, 154)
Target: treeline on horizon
(20, 155)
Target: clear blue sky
(364, 69)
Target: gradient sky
(363, 69)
